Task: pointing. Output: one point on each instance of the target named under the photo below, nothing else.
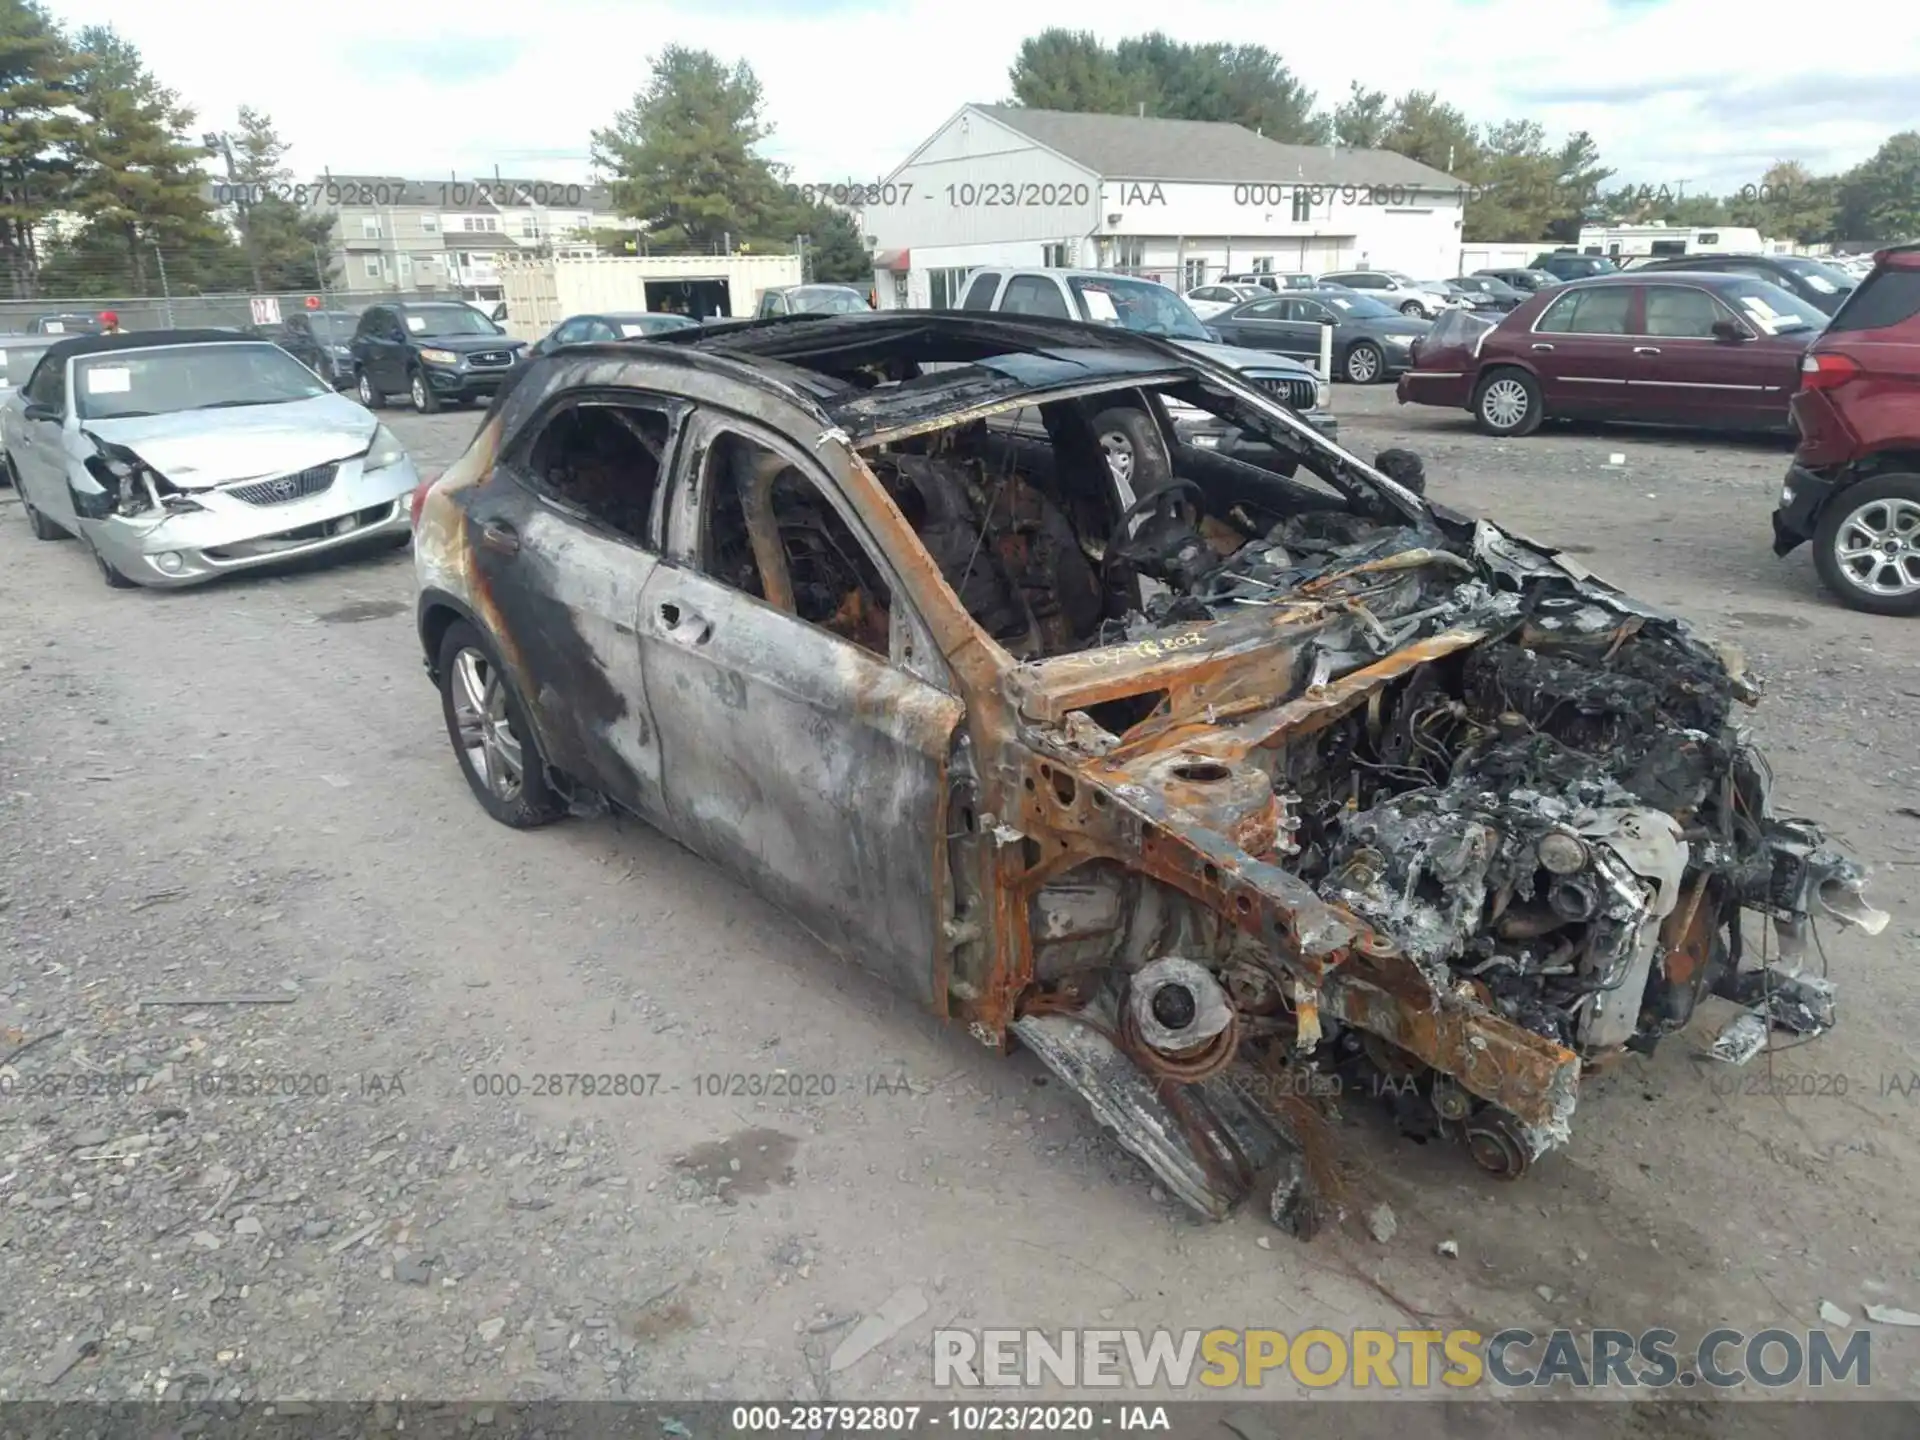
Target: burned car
(1193, 789)
(179, 455)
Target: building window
(373, 267)
(370, 227)
(403, 268)
(1054, 257)
(943, 288)
(430, 224)
(1195, 274)
(1129, 252)
(1263, 264)
(1302, 204)
(529, 227)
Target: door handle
(682, 625)
(1543, 347)
(1646, 349)
(498, 535)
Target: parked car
(1821, 285)
(1524, 279)
(938, 696)
(1571, 265)
(1488, 292)
(1392, 287)
(179, 455)
(617, 325)
(1371, 341)
(434, 352)
(1210, 300)
(1272, 279)
(19, 354)
(1674, 348)
(66, 323)
(1853, 488)
(811, 300)
(1100, 297)
(321, 340)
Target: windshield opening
(333, 327)
(1825, 278)
(1137, 305)
(449, 320)
(127, 383)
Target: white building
(1180, 201)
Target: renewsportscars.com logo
(1513, 1359)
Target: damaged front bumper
(1461, 825)
(250, 524)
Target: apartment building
(451, 236)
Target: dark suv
(434, 351)
(1854, 485)
(1567, 265)
(321, 340)
(1819, 284)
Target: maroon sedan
(1671, 348)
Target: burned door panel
(567, 596)
(811, 768)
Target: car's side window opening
(770, 533)
(604, 460)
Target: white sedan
(1207, 301)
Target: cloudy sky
(1675, 91)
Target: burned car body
(1242, 774)
(179, 455)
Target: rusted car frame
(1093, 846)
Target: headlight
(1400, 340)
(385, 450)
(1322, 395)
(439, 357)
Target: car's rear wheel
(1363, 365)
(421, 392)
(1507, 402)
(1867, 545)
(490, 734)
(1135, 452)
(364, 387)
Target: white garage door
(1324, 254)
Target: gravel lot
(246, 791)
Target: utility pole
(165, 291)
(218, 143)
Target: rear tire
(1414, 309)
(491, 738)
(1867, 519)
(1507, 402)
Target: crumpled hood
(195, 449)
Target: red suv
(1854, 485)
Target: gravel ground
(289, 1182)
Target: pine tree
(287, 246)
(137, 183)
(36, 74)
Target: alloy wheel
(486, 733)
(1504, 404)
(1362, 365)
(366, 390)
(419, 391)
(1878, 547)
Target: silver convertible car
(177, 455)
